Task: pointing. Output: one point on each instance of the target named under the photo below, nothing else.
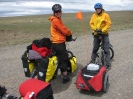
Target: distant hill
(23, 29)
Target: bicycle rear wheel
(70, 54)
(111, 53)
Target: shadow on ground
(91, 93)
(57, 85)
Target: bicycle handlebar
(74, 39)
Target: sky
(11, 8)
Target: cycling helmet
(98, 5)
(56, 7)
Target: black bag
(46, 68)
(28, 65)
(44, 42)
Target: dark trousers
(62, 56)
(96, 44)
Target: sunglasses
(97, 8)
(57, 11)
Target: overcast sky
(9, 8)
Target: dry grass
(17, 30)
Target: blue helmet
(98, 5)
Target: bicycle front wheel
(111, 53)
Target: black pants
(62, 56)
(96, 43)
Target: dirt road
(120, 75)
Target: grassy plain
(24, 29)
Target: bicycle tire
(111, 53)
(70, 54)
(105, 83)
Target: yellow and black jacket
(100, 22)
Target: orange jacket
(58, 30)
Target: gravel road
(120, 75)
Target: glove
(99, 32)
(69, 38)
(11, 97)
(2, 91)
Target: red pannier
(41, 89)
(93, 77)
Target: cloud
(32, 7)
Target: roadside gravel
(120, 75)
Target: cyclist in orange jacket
(58, 38)
(100, 23)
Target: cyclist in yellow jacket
(100, 23)
(58, 37)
